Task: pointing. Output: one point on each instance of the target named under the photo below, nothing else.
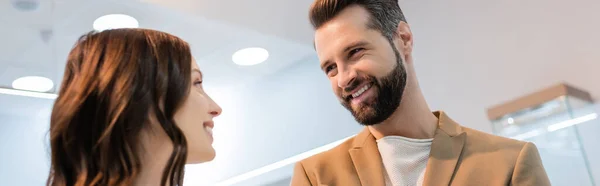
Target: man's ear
(404, 37)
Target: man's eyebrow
(324, 64)
(346, 49)
(355, 44)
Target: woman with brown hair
(131, 111)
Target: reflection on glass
(553, 127)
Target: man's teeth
(209, 130)
(359, 92)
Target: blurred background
(278, 106)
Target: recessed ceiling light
(250, 56)
(113, 21)
(33, 83)
(26, 5)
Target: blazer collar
(446, 148)
(447, 125)
(366, 159)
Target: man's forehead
(333, 38)
(343, 29)
(325, 43)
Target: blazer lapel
(366, 159)
(446, 149)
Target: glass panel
(552, 127)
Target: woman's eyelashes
(198, 83)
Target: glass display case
(550, 119)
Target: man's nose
(346, 77)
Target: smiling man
(365, 48)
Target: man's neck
(412, 119)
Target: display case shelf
(549, 118)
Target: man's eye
(329, 68)
(355, 51)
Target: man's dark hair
(385, 14)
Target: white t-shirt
(404, 159)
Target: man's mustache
(346, 94)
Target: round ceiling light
(33, 83)
(250, 56)
(113, 21)
(26, 5)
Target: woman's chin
(204, 156)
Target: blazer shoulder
(520, 158)
(338, 154)
(481, 140)
(331, 166)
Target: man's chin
(365, 115)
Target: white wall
(24, 159)
(473, 54)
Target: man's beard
(386, 100)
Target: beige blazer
(459, 156)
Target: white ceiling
(469, 55)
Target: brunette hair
(115, 83)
